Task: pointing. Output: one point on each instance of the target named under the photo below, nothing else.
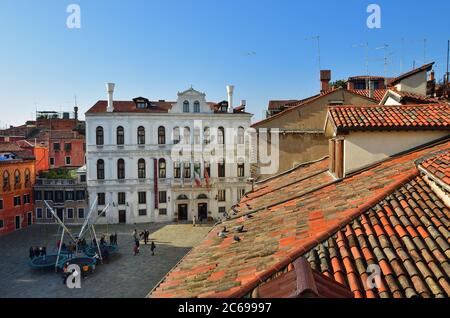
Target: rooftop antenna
(317, 38)
(385, 63)
(366, 59)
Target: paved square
(125, 275)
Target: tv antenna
(385, 58)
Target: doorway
(17, 222)
(29, 218)
(122, 216)
(182, 212)
(202, 211)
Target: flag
(206, 176)
(198, 181)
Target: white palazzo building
(156, 161)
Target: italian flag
(198, 181)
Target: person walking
(194, 219)
(135, 235)
(153, 247)
(44, 251)
(31, 252)
(146, 234)
(136, 248)
(37, 253)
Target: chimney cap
(110, 87)
(230, 89)
(325, 75)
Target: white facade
(184, 197)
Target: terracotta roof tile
(378, 94)
(277, 235)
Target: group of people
(38, 251)
(145, 235)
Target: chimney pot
(110, 92)
(325, 77)
(230, 90)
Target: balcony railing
(55, 182)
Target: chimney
(243, 102)
(349, 85)
(230, 89)
(371, 91)
(110, 92)
(325, 77)
(75, 110)
(431, 76)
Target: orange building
(17, 171)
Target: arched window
(100, 169)
(120, 135)
(197, 135)
(161, 135)
(185, 106)
(17, 177)
(196, 106)
(206, 135)
(221, 136)
(240, 136)
(5, 180)
(162, 168)
(141, 135)
(187, 170)
(241, 169)
(187, 135)
(27, 176)
(99, 138)
(120, 169)
(221, 168)
(141, 169)
(176, 170)
(176, 135)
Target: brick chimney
(325, 77)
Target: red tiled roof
(276, 104)
(425, 67)
(378, 94)
(438, 166)
(434, 116)
(130, 107)
(409, 98)
(9, 147)
(275, 237)
(358, 77)
(406, 235)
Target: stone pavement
(125, 275)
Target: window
(196, 107)
(121, 198)
(186, 135)
(176, 170)
(241, 170)
(162, 197)
(141, 169)
(142, 212)
(38, 213)
(163, 211)
(101, 198)
(221, 169)
(59, 196)
(17, 201)
(197, 136)
(5, 180)
(101, 214)
(68, 161)
(67, 146)
(206, 136)
(70, 213)
(142, 197)
(120, 169)
(70, 195)
(81, 213)
(161, 135)
(48, 195)
(100, 169)
(241, 193)
(81, 195)
(221, 195)
(240, 136)
(185, 106)
(37, 195)
(99, 136)
(26, 199)
(1, 224)
(207, 169)
(221, 136)
(176, 135)
(1, 204)
(56, 146)
(222, 210)
(141, 135)
(162, 168)
(49, 214)
(120, 135)
(83, 178)
(52, 161)
(187, 170)
(27, 176)
(141, 105)
(17, 177)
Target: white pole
(96, 242)
(59, 221)
(59, 250)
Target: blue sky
(157, 48)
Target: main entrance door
(29, 218)
(122, 216)
(17, 222)
(182, 212)
(202, 211)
